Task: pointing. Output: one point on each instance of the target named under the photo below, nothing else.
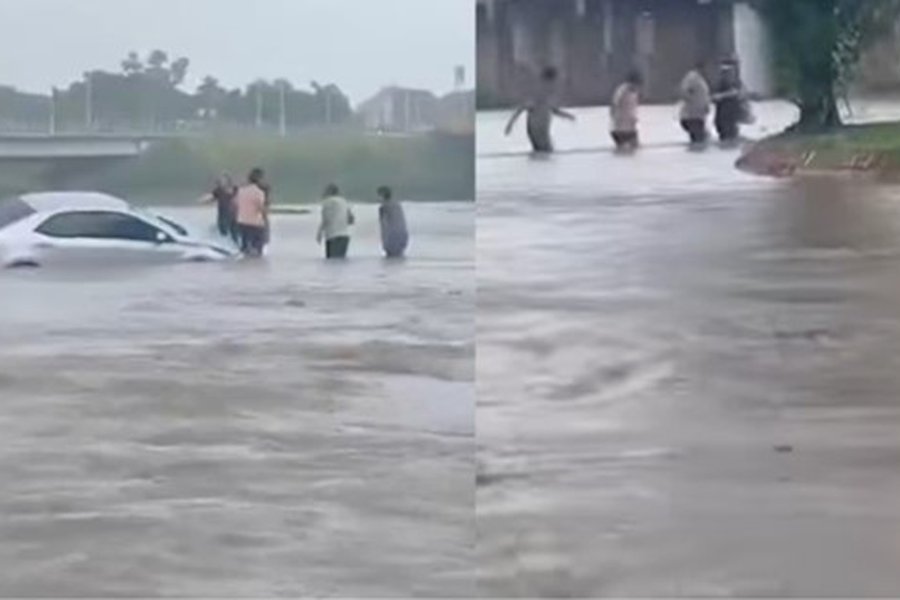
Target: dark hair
(385, 192)
(549, 73)
(634, 77)
(256, 175)
(332, 189)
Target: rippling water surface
(688, 377)
(269, 427)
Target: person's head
(728, 73)
(224, 179)
(549, 74)
(634, 78)
(331, 190)
(385, 193)
(256, 176)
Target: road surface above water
(259, 428)
(688, 377)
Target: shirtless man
(623, 111)
(541, 110)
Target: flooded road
(688, 377)
(277, 427)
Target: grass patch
(869, 148)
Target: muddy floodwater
(256, 428)
(688, 377)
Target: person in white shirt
(696, 103)
(334, 229)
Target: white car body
(56, 228)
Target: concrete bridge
(36, 146)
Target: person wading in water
(223, 195)
(732, 106)
(695, 104)
(623, 112)
(334, 228)
(252, 214)
(541, 109)
(394, 234)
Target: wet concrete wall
(595, 42)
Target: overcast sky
(358, 44)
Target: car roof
(54, 201)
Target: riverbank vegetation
(423, 167)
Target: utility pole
(406, 111)
(282, 123)
(328, 106)
(259, 105)
(53, 111)
(88, 101)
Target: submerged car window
(13, 210)
(178, 228)
(98, 224)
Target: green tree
(157, 59)
(210, 95)
(817, 46)
(178, 71)
(132, 64)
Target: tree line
(148, 93)
(817, 49)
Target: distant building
(456, 112)
(594, 43)
(400, 110)
(408, 111)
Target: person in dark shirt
(729, 99)
(394, 233)
(222, 195)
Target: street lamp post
(53, 111)
(282, 123)
(328, 106)
(259, 105)
(88, 101)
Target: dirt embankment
(864, 149)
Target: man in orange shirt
(251, 214)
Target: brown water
(277, 427)
(688, 377)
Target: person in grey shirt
(394, 234)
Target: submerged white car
(52, 228)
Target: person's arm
(631, 106)
(729, 93)
(206, 199)
(515, 117)
(321, 231)
(559, 112)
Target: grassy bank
(434, 167)
(873, 149)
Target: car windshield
(13, 210)
(178, 228)
(167, 223)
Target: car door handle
(45, 245)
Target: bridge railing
(176, 129)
